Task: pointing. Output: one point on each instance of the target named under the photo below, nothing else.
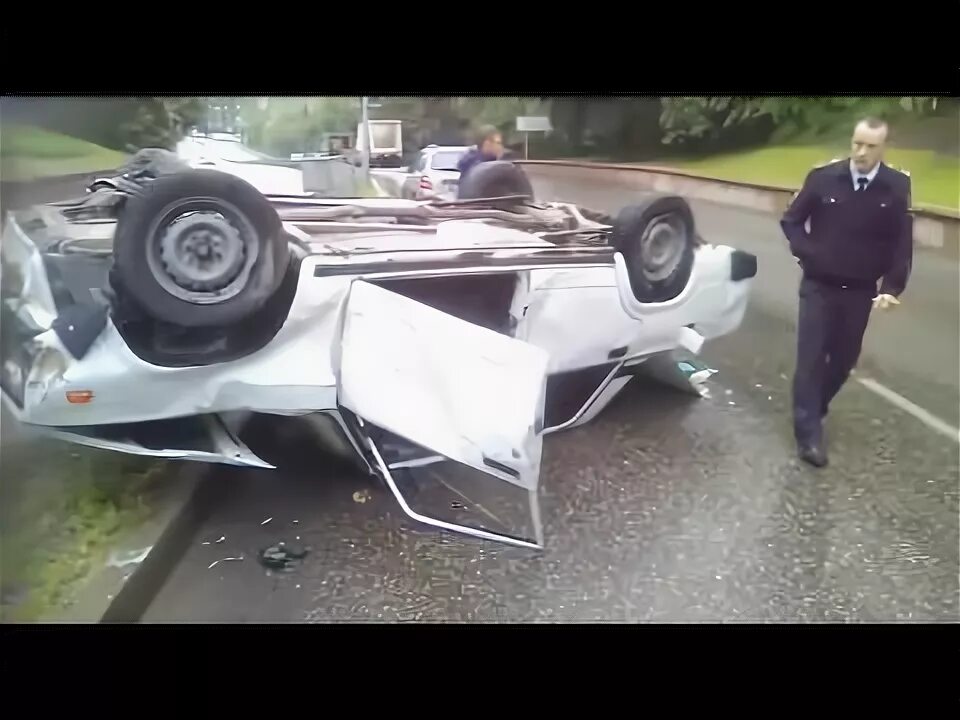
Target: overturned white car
(156, 314)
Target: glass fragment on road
(228, 559)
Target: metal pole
(526, 146)
(365, 155)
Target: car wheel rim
(202, 250)
(661, 248)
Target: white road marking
(928, 419)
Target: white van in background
(385, 142)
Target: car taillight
(425, 183)
(79, 397)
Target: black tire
(492, 179)
(224, 224)
(658, 241)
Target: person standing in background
(489, 147)
(861, 233)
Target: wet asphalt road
(666, 508)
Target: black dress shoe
(813, 454)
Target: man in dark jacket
(489, 147)
(861, 233)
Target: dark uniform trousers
(830, 328)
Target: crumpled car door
(463, 392)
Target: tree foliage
(700, 120)
(117, 123)
(284, 125)
(161, 122)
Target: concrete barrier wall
(934, 230)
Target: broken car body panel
(202, 438)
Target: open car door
(450, 389)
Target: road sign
(533, 123)
(528, 124)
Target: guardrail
(932, 227)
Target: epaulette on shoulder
(901, 170)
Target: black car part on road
(199, 249)
(658, 241)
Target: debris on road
(701, 376)
(697, 376)
(361, 496)
(217, 562)
(282, 556)
(215, 542)
(266, 521)
(130, 557)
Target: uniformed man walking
(861, 234)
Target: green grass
(935, 176)
(30, 153)
(72, 505)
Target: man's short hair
(875, 123)
(485, 133)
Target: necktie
(862, 184)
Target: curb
(121, 592)
(173, 534)
(137, 562)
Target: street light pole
(365, 129)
